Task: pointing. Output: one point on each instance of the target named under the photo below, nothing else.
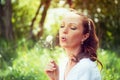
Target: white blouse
(85, 69)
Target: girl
(78, 38)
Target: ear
(85, 36)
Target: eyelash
(73, 28)
(61, 26)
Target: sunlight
(53, 17)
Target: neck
(72, 52)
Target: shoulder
(87, 63)
(89, 69)
(87, 66)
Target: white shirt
(85, 69)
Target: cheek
(76, 38)
(60, 31)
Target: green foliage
(33, 57)
(26, 59)
(31, 61)
(23, 13)
(105, 14)
(7, 54)
(111, 65)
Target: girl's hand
(52, 70)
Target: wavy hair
(90, 45)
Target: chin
(63, 45)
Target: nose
(65, 30)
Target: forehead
(72, 17)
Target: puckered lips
(63, 38)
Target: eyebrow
(69, 23)
(73, 23)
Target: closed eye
(61, 26)
(73, 27)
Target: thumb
(54, 63)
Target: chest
(68, 69)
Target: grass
(31, 61)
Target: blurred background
(29, 35)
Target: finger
(50, 67)
(54, 63)
(50, 70)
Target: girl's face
(71, 31)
